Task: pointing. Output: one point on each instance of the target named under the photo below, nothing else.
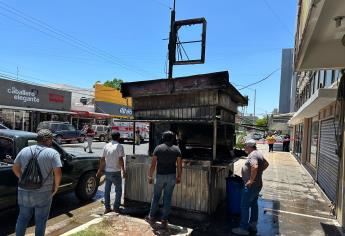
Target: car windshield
(71, 128)
(54, 127)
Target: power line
(278, 18)
(10, 76)
(162, 4)
(38, 25)
(260, 80)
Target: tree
(97, 82)
(115, 83)
(262, 122)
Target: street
(64, 204)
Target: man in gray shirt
(252, 178)
(38, 200)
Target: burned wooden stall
(201, 110)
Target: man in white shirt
(112, 163)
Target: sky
(80, 42)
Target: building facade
(319, 59)
(24, 105)
(285, 80)
(109, 100)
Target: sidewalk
(290, 204)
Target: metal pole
(134, 137)
(254, 106)
(172, 43)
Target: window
(63, 127)
(100, 128)
(321, 78)
(54, 127)
(298, 140)
(70, 128)
(6, 150)
(314, 139)
(328, 78)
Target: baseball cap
(44, 134)
(250, 143)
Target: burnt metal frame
(189, 22)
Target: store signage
(19, 94)
(125, 111)
(56, 98)
(24, 95)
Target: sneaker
(240, 231)
(117, 210)
(89, 152)
(107, 211)
(252, 227)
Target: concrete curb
(136, 220)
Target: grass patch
(100, 229)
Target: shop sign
(15, 93)
(24, 95)
(56, 98)
(125, 111)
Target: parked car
(257, 136)
(78, 171)
(3, 127)
(102, 133)
(63, 131)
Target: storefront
(110, 101)
(23, 106)
(298, 140)
(81, 118)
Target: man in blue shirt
(38, 201)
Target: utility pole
(172, 43)
(254, 106)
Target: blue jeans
(30, 202)
(164, 183)
(249, 201)
(116, 179)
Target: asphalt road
(65, 203)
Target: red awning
(90, 114)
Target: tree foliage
(262, 122)
(115, 83)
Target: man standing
(112, 163)
(166, 157)
(252, 178)
(38, 201)
(90, 133)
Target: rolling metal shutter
(327, 173)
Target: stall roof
(187, 84)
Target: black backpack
(32, 177)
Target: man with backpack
(38, 168)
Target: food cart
(200, 110)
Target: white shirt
(112, 152)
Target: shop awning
(90, 114)
(321, 98)
(36, 109)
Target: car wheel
(101, 138)
(58, 139)
(81, 139)
(87, 186)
